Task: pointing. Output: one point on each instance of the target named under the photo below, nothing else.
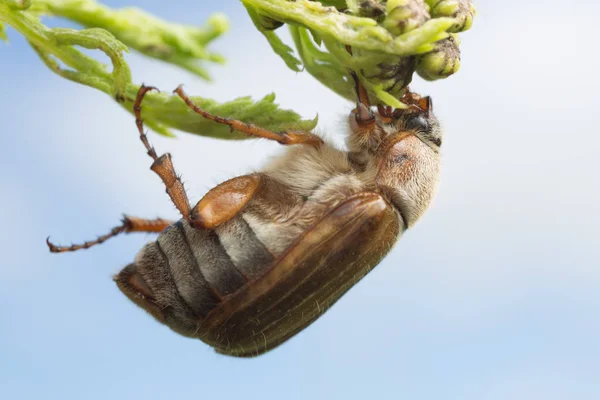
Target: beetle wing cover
(326, 261)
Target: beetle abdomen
(186, 272)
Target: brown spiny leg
(415, 102)
(365, 120)
(410, 97)
(285, 137)
(162, 165)
(129, 224)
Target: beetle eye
(417, 123)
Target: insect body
(261, 256)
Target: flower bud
(405, 15)
(371, 9)
(462, 10)
(388, 72)
(442, 62)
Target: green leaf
(380, 40)
(280, 48)
(3, 36)
(185, 46)
(57, 48)
(321, 64)
(170, 110)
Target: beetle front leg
(364, 117)
(285, 137)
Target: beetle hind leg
(128, 225)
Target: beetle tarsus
(128, 225)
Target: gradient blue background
(493, 295)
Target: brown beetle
(261, 256)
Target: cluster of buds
(442, 59)
(461, 10)
(390, 40)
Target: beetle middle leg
(285, 137)
(163, 166)
(128, 225)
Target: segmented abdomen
(190, 270)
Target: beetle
(261, 256)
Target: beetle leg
(224, 202)
(271, 199)
(285, 137)
(129, 224)
(162, 166)
(365, 119)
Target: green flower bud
(388, 73)
(397, 75)
(371, 9)
(462, 10)
(405, 15)
(442, 62)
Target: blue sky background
(493, 295)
